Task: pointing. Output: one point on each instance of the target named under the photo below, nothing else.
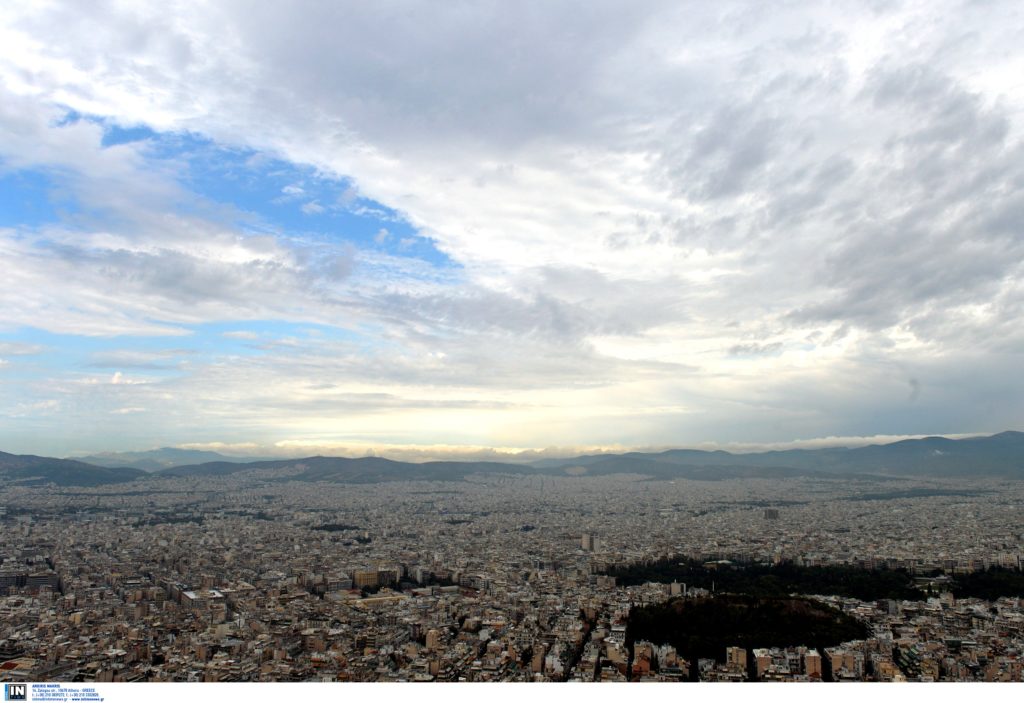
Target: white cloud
(240, 334)
(20, 349)
(738, 214)
(42, 408)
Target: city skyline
(322, 228)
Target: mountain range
(30, 470)
(1000, 455)
(156, 459)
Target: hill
(28, 469)
(361, 470)
(156, 459)
(998, 455)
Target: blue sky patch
(29, 198)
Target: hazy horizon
(418, 453)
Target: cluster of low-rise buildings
(498, 578)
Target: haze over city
(431, 230)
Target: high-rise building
(363, 578)
(812, 664)
(762, 659)
(736, 659)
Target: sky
(479, 228)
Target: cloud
(42, 408)
(736, 214)
(20, 349)
(138, 359)
(240, 334)
(754, 349)
(347, 197)
(119, 379)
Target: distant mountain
(998, 455)
(362, 470)
(156, 459)
(655, 466)
(26, 469)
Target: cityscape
(255, 575)
(502, 346)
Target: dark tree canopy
(704, 627)
(775, 581)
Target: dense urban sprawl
(497, 578)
